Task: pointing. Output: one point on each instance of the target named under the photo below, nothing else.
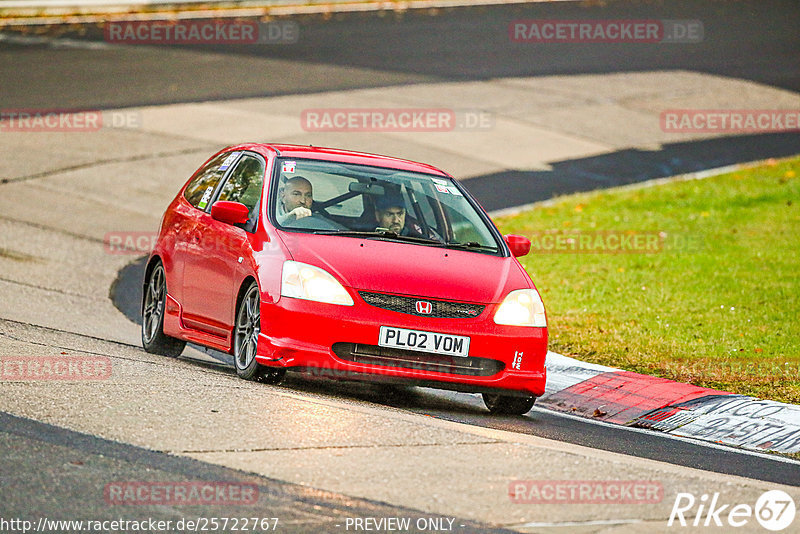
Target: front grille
(439, 308)
(420, 361)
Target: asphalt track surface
(755, 40)
(750, 39)
(84, 463)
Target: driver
(294, 200)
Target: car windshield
(351, 200)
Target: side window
(199, 191)
(245, 183)
(464, 230)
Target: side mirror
(518, 244)
(230, 212)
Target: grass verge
(695, 281)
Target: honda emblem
(424, 307)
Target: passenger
(294, 200)
(390, 214)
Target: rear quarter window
(201, 188)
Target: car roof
(338, 155)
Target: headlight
(522, 307)
(303, 281)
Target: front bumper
(301, 335)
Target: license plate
(400, 338)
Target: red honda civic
(349, 266)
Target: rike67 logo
(774, 510)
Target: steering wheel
(319, 209)
(316, 221)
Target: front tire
(154, 340)
(245, 340)
(508, 405)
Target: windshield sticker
(454, 191)
(439, 181)
(289, 166)
(228, 161)
(206, 197)
(441, 188)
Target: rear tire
(508, 405)
(154, 300)
(245, 340)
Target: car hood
(402, 268)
